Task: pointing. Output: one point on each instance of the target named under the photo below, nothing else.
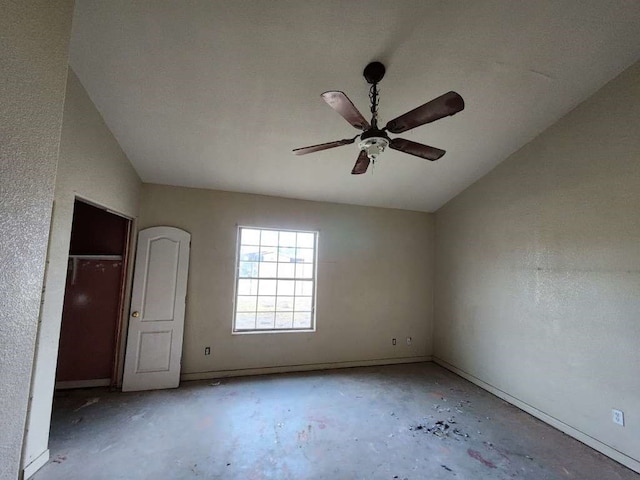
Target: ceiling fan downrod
(374, 141)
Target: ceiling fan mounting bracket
(374, 72)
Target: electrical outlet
(408, 341)
(207, 350)
(393, 341)
(617, 416)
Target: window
(275, 280)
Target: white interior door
(156, 319)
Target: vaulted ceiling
(216, 94)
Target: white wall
(538, 273)
(92, 166)
(33, 67)
(374, 280)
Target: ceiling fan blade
(341, 104)
(362, 163)
(324, 146)
(448, 104)
(417, 149)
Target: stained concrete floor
(359, 423)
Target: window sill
(258, 332)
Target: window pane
(286, 270)
(304, 270)
(265, 320)
(302, 320)
(306, 240)
(303, 304)
(266, 304)
(284, 319)
(286, 254)
(284, 304)
(269, 254)
(246, 304)
(249, 236)
(245, 321)
(250, 253)
(305, 255)
(267, 287)
(247, 287)
(286, 287)
(287, 239)
(269, 238)
(268, 269)
(248, 269)
(304, 288)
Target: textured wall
(374, 278)
(92, 166)
(538, 270)
(33, 66)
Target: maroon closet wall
(95, 278)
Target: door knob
(135, 314)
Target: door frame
(117, 368)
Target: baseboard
(100, 382)
(603, 448)
(300, 368)
(35, 465)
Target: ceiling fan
(374, 140)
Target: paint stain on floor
(478, 456)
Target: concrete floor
(360, 423)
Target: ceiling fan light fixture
(374, 146)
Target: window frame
(314, 278)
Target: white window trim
(237, 278)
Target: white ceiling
(216, 94)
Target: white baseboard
(603, 448)
(100, 382)
(35, 465)
(299, 368)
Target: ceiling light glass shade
(374, 146)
